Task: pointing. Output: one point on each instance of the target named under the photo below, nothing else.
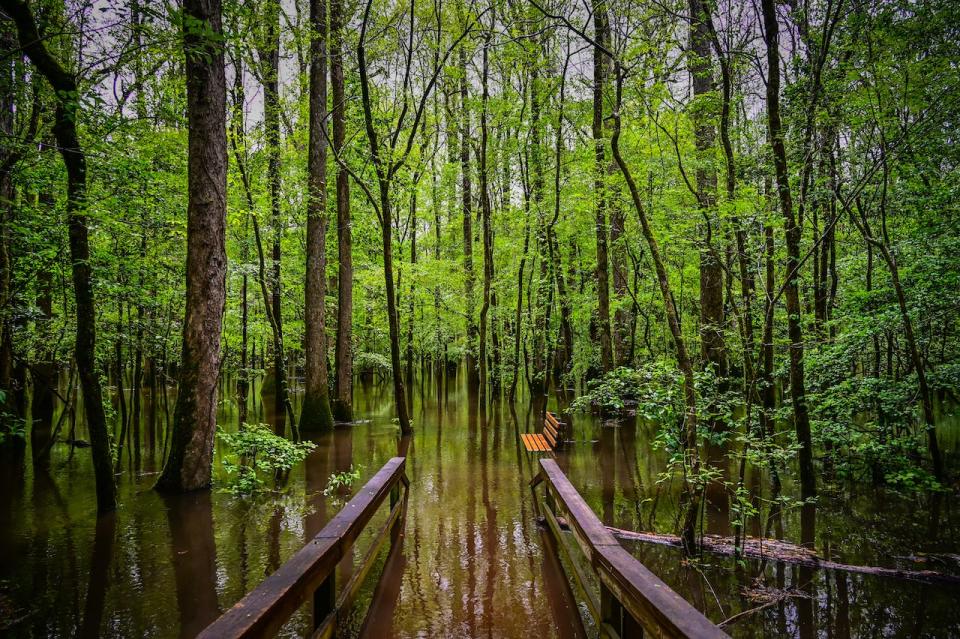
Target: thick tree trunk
(601, 66)
(68, 142)
(316, 413)
(194, 421)
(343, 395)
(712, 320)
(801, 418)
(711, 267)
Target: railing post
(325, 601)
(548, 498)
(611, 615)
(398, 524)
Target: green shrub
(255, 452)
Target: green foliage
(343, 480)
(375, 363)
(254, 452)
(654, 392)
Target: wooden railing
(632, 600)
(311, 573)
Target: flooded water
(473, 561)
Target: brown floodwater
(473, 561)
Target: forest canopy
(737, 219)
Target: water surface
(473, 562)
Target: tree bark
(8, 49)
(600, 71)
(486, 213)
(316, 414)
(343, 395)
(467, 205)
(808, 486)
(188, 466)
(384, 176)
(691, 452)
(270, 71)
(74, 159)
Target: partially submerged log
(778, 550)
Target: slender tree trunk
(393, 320)
(517, 321)
(270, 71)
(467, 205)
(237, 134)
(692, 455)
(486, 213)
(68, 143)
(926, 399)
(384, 177)
(808, 486)
(556, 259)
(121, 395)
(343, 395)
(316, 414)
(8, 49)
(413, 285)
(45, 371)
(188, 465)
(540, 339)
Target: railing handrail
(652, 603)
(268, 606)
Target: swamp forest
(480, 318)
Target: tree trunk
(926, 400)
(194, 421)
(517, 321)
(600, 71)
(8, 49)
(467, 205)
(315, 414)
(413, 286)
(270, 71)
(343, 395)
(486, 213)
(384, 177)
(808, 489)
(68, 143)
(692, 455)
(538, 359)
(700, 64)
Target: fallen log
(778, 550)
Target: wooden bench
(547, 441)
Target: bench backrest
(552, 429)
